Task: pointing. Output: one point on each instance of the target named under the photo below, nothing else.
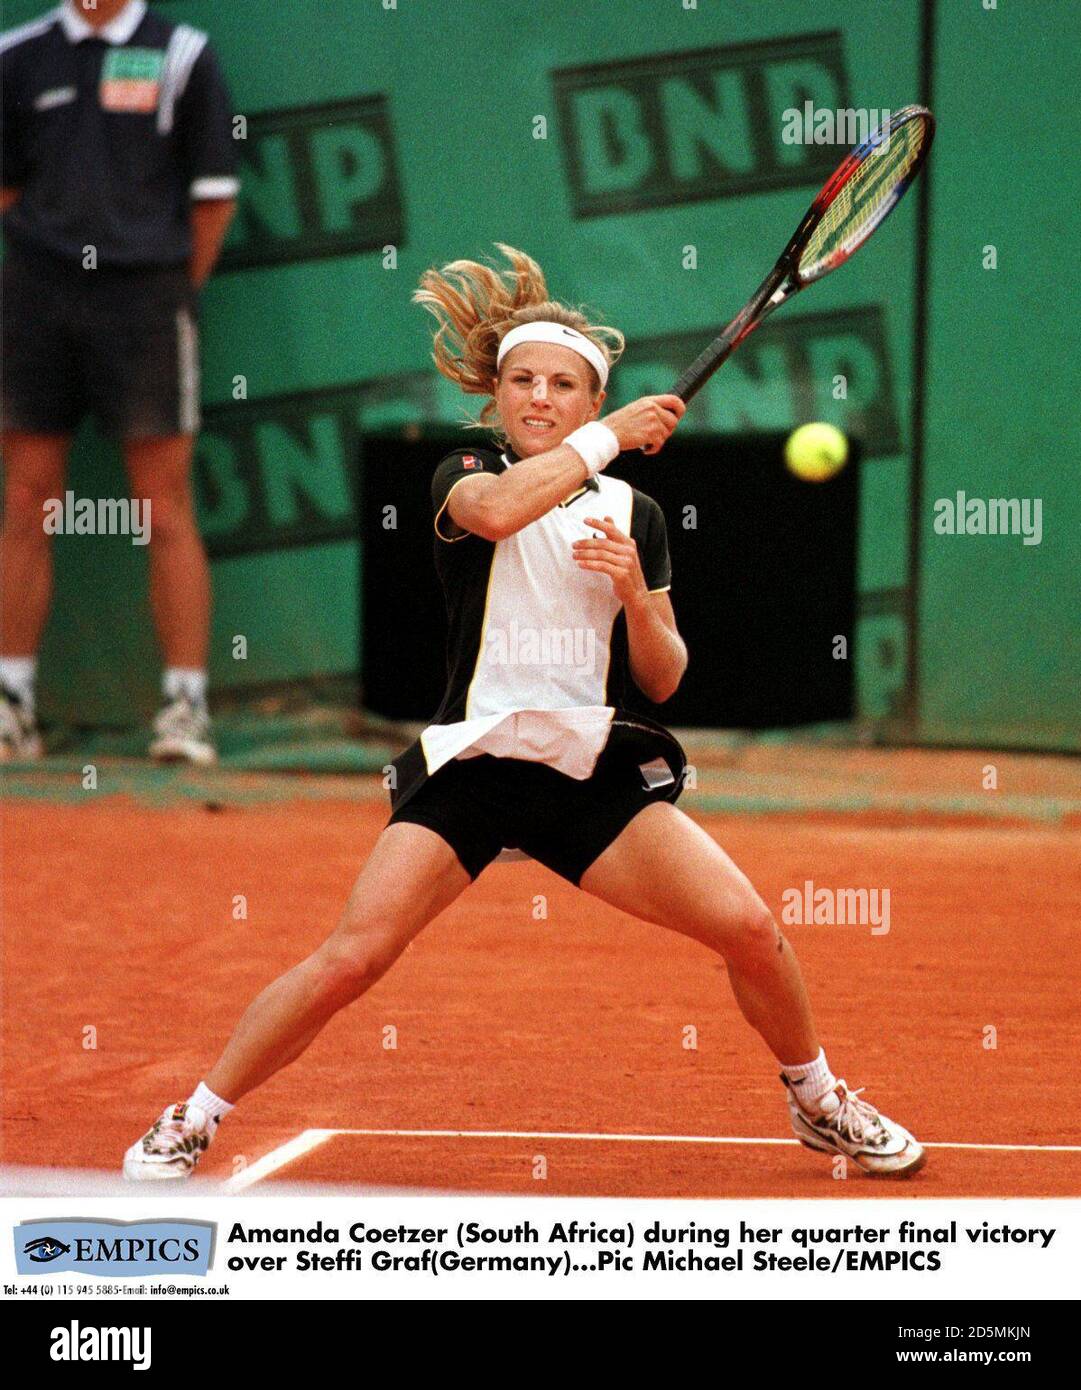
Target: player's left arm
(210, 218)
(657, 653)
(207, 152)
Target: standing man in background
(117, 186)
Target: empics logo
(44, 1250)
(73, 1342)
(115, 1247)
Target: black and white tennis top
(537, 654)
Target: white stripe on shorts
(187, 356)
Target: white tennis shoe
(841, 1123)
(182, 734)
(19, 737)
(172, 1146)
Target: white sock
(17, 674)
(186, 681)
(207, 1101)
(810, 1081)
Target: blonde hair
(477, 305)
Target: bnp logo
(785, 373)
(315, 181)
(707, 123)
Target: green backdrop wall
(635, 148)
(1000, 622)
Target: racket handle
(703, 367)
(773, 290)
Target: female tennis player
(556, 578)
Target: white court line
(1013, 1148)
(659, 1138)
(312, 1139)
(278, 1158)
(558, 1134)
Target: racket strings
(865, 198)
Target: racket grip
(702, 368)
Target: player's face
(544, 392)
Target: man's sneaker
(172, 1146)
(182, 734)
(19, 737)
(844, 1124)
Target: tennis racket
(862, 192)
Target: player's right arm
(496, 506)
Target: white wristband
(596, 444)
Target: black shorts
(483, 805)
(121, 345)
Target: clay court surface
(541, 1037)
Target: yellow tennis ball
(816, 452)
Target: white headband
(543, 331)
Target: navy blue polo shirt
(109, 134)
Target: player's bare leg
(411, 875)
(34, 469)
(665, 869)
(159, 470)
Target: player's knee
(171, 516)
(26, 511)
(755, 939)
(344, 977)
(348, 968)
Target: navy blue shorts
(483, 805)
(120, 345)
